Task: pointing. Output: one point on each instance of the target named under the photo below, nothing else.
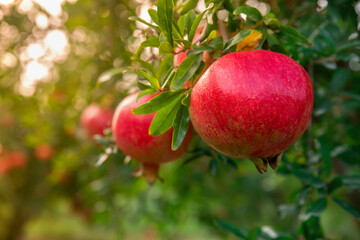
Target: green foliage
(314, 194)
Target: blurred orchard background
(54, 54)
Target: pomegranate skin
(252, 104)
(95, 119)
(130, 132)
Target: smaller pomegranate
(131, 135)
(43, 152)
(11, 160)
(95, 119)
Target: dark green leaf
(254, 234)
(185, 71)
(151, 42)
(166, 64)
(335, 184)
(237, 38)
(108, 74)
(339, 78)
(135, 18)
(351, 181)
(153, 81)
(348, 45)
(181, 125)
(165, 15)
(303, 194)
(317, 182)
(326, 157)
(349, 208)
(158, 102)
(165, 117)
(251, 13)
(154, 16)
(294, 33)
(317, 207)
(230, 228)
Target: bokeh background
(52, 54)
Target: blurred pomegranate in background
(95, 119)
(44, 152)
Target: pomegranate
(43, 152)
(252, 104)
(131, 135)
(95, 119)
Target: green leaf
(145, 92)
(335, 184)
(165, 15)
(199, 49)
(154, 16)
(181, 24)
(165, 47)
(237, 38)
(176, 31)
(189, 20)
(181, 125)
(348, 207)
(348, 45)
(186, 100)
(108, 74)
(151, 42)
(185, 71)
(165, 117)
(230, 228)
(186, 43)
(195, 24)
(339, 78)
(158, 102)
(187, 6)
(294, 33)
(168, 77)
(154, 82)
(317, 207)
(326, 156)
(351, 181)
(272, 23)
(165, 64)
(251, 13)
(135, 18)
(146, 65)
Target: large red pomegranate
(95, 119)
(252, 104)
(131, 135)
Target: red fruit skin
(95, 119)
(18, 159)
(130, 132)
(43, 152)
(252, 104)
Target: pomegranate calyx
(262, 163)
(151, 173)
